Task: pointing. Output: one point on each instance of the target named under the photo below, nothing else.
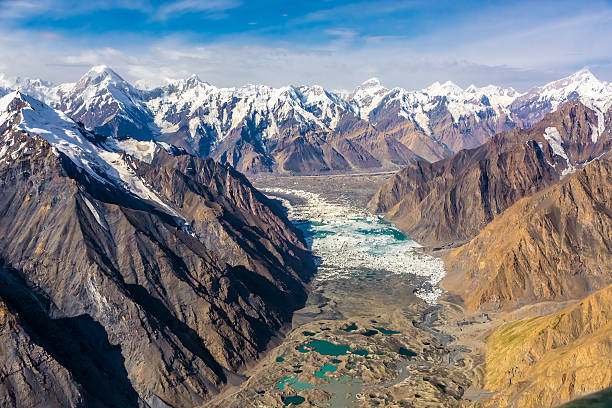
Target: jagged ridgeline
(527, 221)
(131, 273)
(308, 129)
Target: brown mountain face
(548, 360)
(106, 299)
(358, 147)
(315, 152)
(554, 245)
(468, 132)
(450, 201)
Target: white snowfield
(349, 241)
(200, 108)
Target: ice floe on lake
(349, 240)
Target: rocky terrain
(525, 224)
(451, 200)
(308, 129)
(365, 337)
(132, 273)
(547, 360)
(562, 252)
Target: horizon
(407, 44)
(135, 83)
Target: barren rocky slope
(142, 279)
(554, 245)
(450, 201)
(534, 207)
(549, 360)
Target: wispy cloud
(209, 8)
(358, 10)
(18, 9)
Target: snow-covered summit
(103, 161)
(583, 84)
(367, 96)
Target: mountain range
(523, 223)
(132, 273)
(308, 129)
(138, 267)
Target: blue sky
(337, 44)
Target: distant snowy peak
(490, 95)
(197, 108)
(36, 88)
(100, 73)
(415, 105)
(448, 88)
(582, 85)
(368, 96)
(107, 104)
(102, 82)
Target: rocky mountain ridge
(563, 252)
(450, 201)
(132, 273)
(257, 128)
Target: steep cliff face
(554, 245)
(450, 201)
(549, 360)
(136, 277)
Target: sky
(336, 44)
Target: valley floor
(372, 333)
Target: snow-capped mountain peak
(102, 71)
(370, 83)
(194, 78)
(102, 77)
(445, 89)
(367, 96)
(104, 161)
(582, 85)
